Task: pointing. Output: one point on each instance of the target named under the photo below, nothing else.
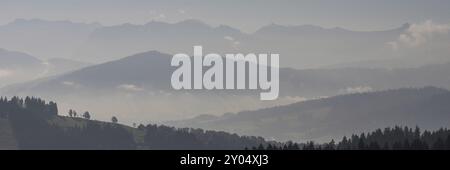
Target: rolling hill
(32, 123)
(17, 67)
(331, 118)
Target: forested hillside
(396, 138)
(31, 123)
(334, 117)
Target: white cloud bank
(357, 89)
(419, 34)
(71, 84)
(130, 87)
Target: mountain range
(140, 84)
(300, 46)
(16, 67)
(334, 117)
(339, 61)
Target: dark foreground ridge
(31, 123)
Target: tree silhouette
(70, 113)
(114, 119)
(141, 127)
(87, 115)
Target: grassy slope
(64, 121)
(9, 142)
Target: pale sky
(247, 15)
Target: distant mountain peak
(152, 53)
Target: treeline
(397, 138)
(36, 125)
(164, 137)
(31, 105)
(31, 121)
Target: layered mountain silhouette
(18, 67)
(304, 46)
(300, 47)
(33, 124)
(138, 83)
(45, 39)
(333, 82)
(152, 71)
(334, 117)
(144, 79)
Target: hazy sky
(247, 15)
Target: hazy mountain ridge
(62, 38)
(300, 46)
(330, 82)
(325, 119)
(56, 66)
(141, 82)
(16, 59)
(113, 42)
(17, 67)
(129, 70)
(152, 70)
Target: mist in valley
(121, 66)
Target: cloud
(419, 34)
(71, 84)
(130, 87)
(160, 17)
(229, 38)
(357, 89)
